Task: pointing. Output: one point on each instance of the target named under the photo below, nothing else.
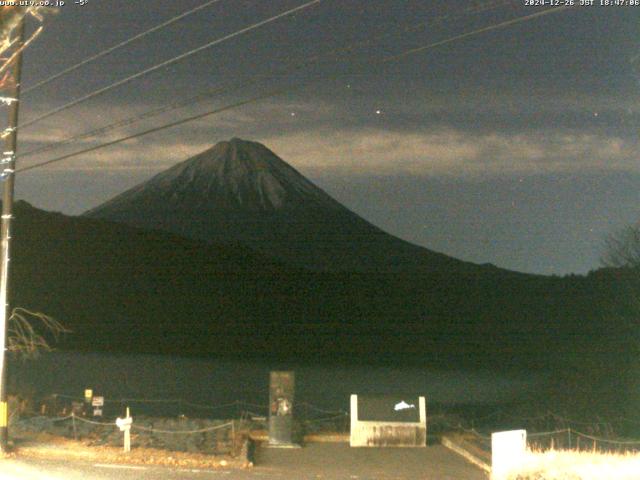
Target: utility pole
(8, 166)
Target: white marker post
(508, 452)
(125, 426)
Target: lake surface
(152, 383)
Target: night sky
(517, 146)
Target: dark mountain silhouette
(129, 290)
(241, 191)
(126, 289)
(368, 296)
(240, 287)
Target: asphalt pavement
(329, 461)
(40, 469)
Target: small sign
(97, 412)
(88, 395)
(403, 406)
(124, 424)
(97, 402)
(388, 408)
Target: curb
(458, 446)
(335, 437)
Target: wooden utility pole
(7, 175)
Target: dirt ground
(49, 446)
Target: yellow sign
(88, 394)
(3, 414)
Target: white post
(508, 451)
(125, 426)
(354, 418)
(127, 435)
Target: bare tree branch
(24, 340)
(622, 248)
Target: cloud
(324, 138)
(152, 152)
(451, 152)
(130, 156)
(431, 152)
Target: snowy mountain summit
(233, 175)
(240, 191)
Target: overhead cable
(165, 64)
(281, 91)
(476, 32)
(234, 86)
(124, 43)
(269, 94)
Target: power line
(142, 116)
(276, 92)
(118, 46)
(476, 32)
(473, 9)
(272, 93)
(167, 63)
(438, 19)
(281, 91)
(236, 86)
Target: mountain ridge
(126, 289)
(240, 190)
(229, 171)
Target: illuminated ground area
(563, 465)
(329, 461)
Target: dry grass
(44, 445)
(579, 465)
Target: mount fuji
(240, 191)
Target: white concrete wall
(388, 434)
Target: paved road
(337, 461)
(314, 462)
(38, 469)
